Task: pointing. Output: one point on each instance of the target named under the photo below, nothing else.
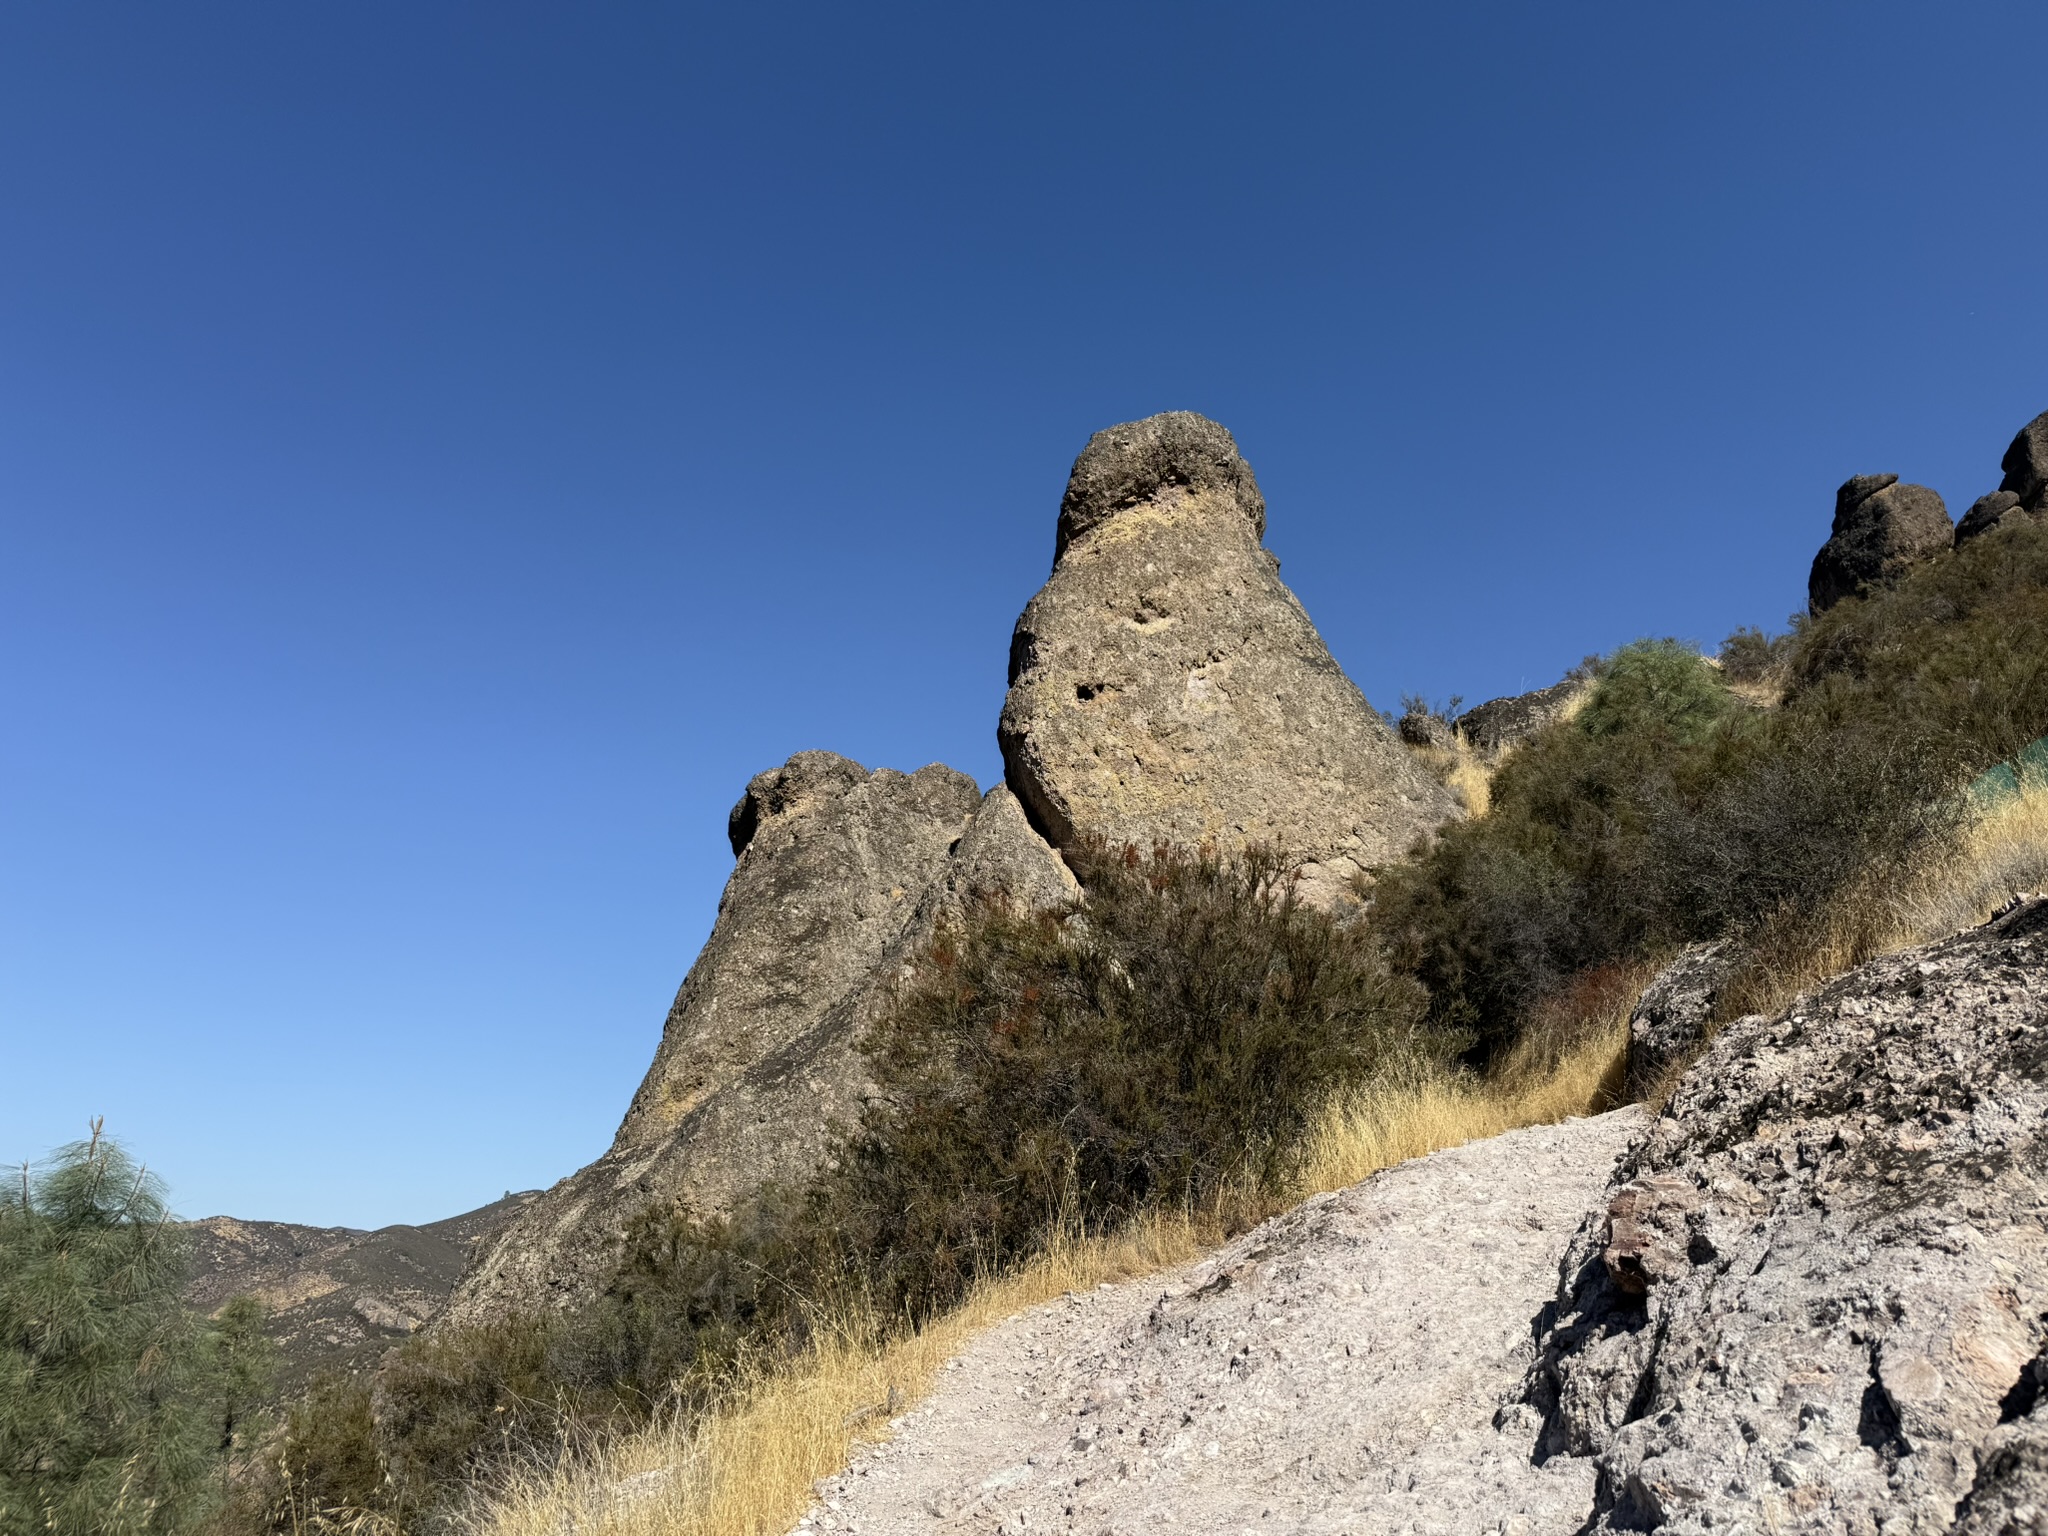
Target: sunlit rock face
(1166, 687)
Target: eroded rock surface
(842, 875)
(1816, 1297)
(1165, 686)
(1670, 1019)
(1339, 1369)
(1881, 528)
(1998, 510)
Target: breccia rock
(841, 879)
(1881, 527)
(1166, 687)
(1815, 1298)
(1672, 1015)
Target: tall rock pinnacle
(1165, 686)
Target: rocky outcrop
(1165, 686)
(2026, 465)
(335, 1297)
(842, 876)
(1881, 527)
(1816, 1296)
(1499, 725)
(1997, 510)
(1671, 1018)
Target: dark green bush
(1157, 1046)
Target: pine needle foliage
(103, 1428)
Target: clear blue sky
(444, 451)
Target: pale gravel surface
(1339, 1369)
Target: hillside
(338, 1298)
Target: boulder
(1815, 1298)
(1986, 513)
(1499, 725)
(1166, 687)
(1671, 1018)
(2026, 465)
(842, 877)
(1881, 527)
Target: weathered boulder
(1987, 513)
(1499, 725)
(1881, 527)
(1165, 686)
(1670, 1019)
(1816, 1299)
(842, 876)
(2026, 465)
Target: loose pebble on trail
(1339, 1369)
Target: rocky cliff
(1165, 686)
(841, 877)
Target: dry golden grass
(2003, 851)
(747, 1468)
(1460, 769)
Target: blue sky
(444, 451)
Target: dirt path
(1337, 1370)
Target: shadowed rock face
(1881, 527)
(1815, 1298)
(1165, 686)
(2026, 465)
(842, 876)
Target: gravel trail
(1338, 1369)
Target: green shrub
(1158, 1045)
(1671, 810)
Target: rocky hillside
(1809, 1295)
(1165, 687)
(339, 1297)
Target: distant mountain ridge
(338, 1297)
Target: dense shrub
(1671, 809)
(1160, 1045)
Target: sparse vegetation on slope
(1678, 807)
